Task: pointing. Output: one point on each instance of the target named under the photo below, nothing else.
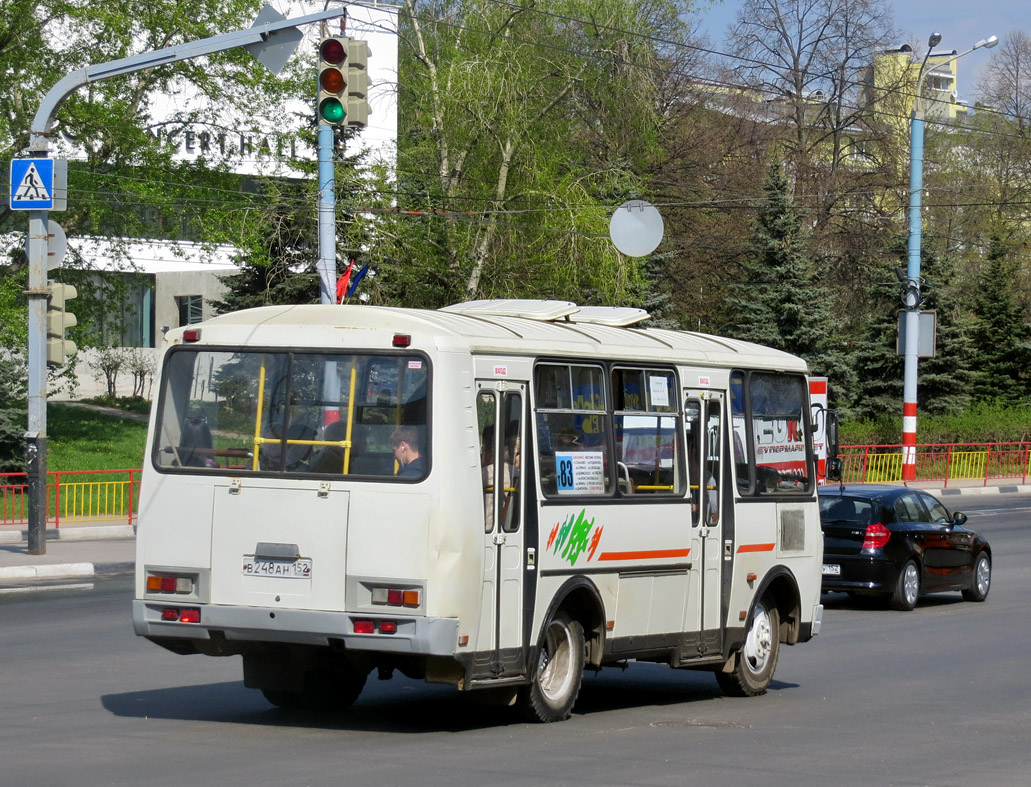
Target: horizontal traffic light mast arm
(260, 33)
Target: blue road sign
(32, 184)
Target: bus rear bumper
(414, 635)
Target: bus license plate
(291, 569)
(831, 570)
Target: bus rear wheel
(558, 672)
(325, 688)
(757, 661)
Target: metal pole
(916, 185)
(36, 436)
(327, 218)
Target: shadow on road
(401, 705)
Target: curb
(48, 571)
(983, 490)
(80, 533)
(66, 570)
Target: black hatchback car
(899, 543)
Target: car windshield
(853, 510)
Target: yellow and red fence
(74, 496)
(946, 462)
(77, 496)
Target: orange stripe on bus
(756, 548)
(645, 555)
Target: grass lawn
(81, 439)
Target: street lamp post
(912, 294)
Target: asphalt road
(939, 696)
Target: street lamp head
(987, 43)
(934, 40)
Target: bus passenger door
(500, 406)
(704, 427)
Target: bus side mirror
(835, 466)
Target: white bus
(494, 495)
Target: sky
(962, 23)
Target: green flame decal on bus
(574, 536)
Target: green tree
(778, 301)
(1002, 332)
(945, 382)
(522, 126)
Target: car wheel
(981, 581)
(757, 661)
(558, 673)
(907, 588)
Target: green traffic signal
(332, 111)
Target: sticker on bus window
(579, 473)
(660, 390)
(415, 364)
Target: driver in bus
(405, 442)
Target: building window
(191, 309)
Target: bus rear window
(293, 413)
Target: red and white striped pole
(908, 441)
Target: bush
(984, 422)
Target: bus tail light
(169, 583)
(372, 626)
(177, 615)
(876, 536)
(396, 597)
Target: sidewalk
(80, 550)
(96, 549)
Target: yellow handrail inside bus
(350, 414)
(258, 440)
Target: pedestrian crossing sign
(39, 184)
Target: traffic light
(332, 102)
(58, 322)
(357, 83)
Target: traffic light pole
(327, 217)
(271, 40)
(36, 436)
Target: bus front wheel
(558, 672)
(757, 660)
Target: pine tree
(779, 301)
(879, 367)
(1001, 333)
(279, 265)
(945, 382)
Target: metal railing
(74, 496)
(947, 462)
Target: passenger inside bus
(196, 448)
(330, 458)
(405, 443)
